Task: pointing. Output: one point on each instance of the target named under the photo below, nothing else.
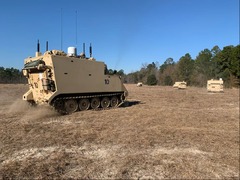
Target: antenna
(83, 48)
(47, 46)
(61, 30)
(76, 27)
(90, 50)
(38, 46)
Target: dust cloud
(18, 106)
(38, 113)
(29, 112)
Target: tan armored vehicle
(215, 85)
(180, 85)
(69, 82)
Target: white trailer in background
(180, 85)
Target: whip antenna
(61, 30)
(76, 27)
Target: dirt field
(163, 134)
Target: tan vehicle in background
(215, 85)
(69, 82)
(180, 85)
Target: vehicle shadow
(130, 103)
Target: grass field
(164, 134)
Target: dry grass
(170, 134)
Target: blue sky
(124, 33)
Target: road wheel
(84, 104)
(95, 103)
(71, 106)
(105, 102)
(114, 101)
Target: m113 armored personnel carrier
(71, 82)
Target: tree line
(11, 76)
(209, 64)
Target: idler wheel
(84, 104)
(58, 104)
(71, 106)
(105, 102)
(114, 101)
(122, 97)
(95, 103)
